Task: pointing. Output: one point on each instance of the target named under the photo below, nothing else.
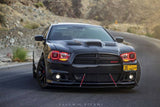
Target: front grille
(96, 59)
(97, 78)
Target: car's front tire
(33, 71)
(41, 73)
(33, 67)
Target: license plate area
(96, 78)
(129, 67)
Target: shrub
(39, 4)
(129, 30)
(31, 25)
(2, 18)
(5, 1)
(19, 54)
(132, 30)
(96, 17)
(156, 32)
(76, 5)
(149, 34)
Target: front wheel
(41, 74)
(33, 71)
(33, 67)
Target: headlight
(56, 55)
(127, 57)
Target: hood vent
(94, 44)
(74, 43)
(110, 44)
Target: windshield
(69, 32)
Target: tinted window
(68, 32)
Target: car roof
(82, 24)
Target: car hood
(85, 46)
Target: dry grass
(39, 4)
(131, 28)
(31, 25)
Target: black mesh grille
(96, 59)
(104, 77)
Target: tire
(34, 68)
(138, 73)
(41, 74)
(34, 73)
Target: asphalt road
(18, 88)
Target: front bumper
(91, 85)
(69, 72)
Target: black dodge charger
(86, 56)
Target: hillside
(21, 20)
(24, 14)
(142, 13)
(135, 16)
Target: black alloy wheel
(41, 74)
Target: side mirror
(39, 38)
(119, 39)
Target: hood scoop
(84, 42)
(89, 42)
(110, 44)
(73, 43)
(93, 43)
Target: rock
(7, 37)
(34, 9)
(35, 16)
(2, 63)
(16, 24)
(5, 59)
(1, 46)
(12, 41)
(20, 33)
